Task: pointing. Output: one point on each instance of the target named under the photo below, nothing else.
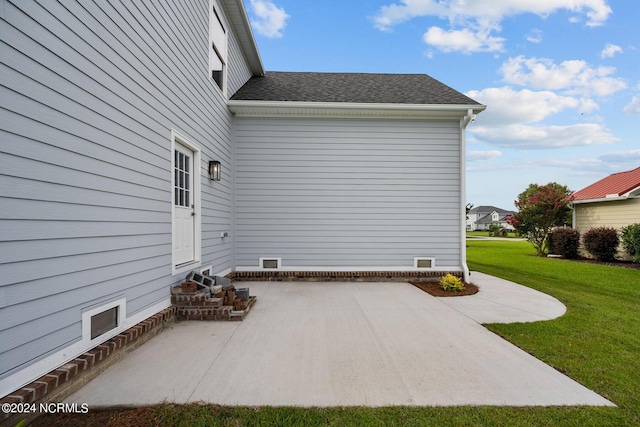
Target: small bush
(565, 242)
(631, 240)
(451, 283)
(496, 230)
(602, 243)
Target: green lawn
(597, 342)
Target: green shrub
(496, 230)
(602, 243)
(451, 283)
(565, 242)
(631, 240)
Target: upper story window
(217, 47)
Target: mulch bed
(623, 264)
(435, 289)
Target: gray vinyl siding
(347, 193)
(88, 97)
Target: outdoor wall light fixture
(215, 170)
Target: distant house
(613, 201)
(144, 140)
(482, 217)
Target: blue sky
(560, 78)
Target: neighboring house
(482, 217)
(613, 201)
(113, 115)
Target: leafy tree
(540, 208)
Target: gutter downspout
(464, 121)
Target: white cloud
(473, 23)
(268, 19)
(508, 106)
(465, 40)
(483, 155)
(541, 137)
(610, 50)
(394, 14)
(512, 117)
(534, 36)
(597, 11)
(633, 107)
(571, 76)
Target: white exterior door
(184, 212)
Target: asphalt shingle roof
(350, 88)
(489, 209)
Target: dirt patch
(113, 417)
(435, 289)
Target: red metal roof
(618, 183)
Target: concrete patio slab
(336, 344)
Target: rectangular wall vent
(423, 262)
(104, 322)
(270, 262)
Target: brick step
(198, 304)
(225, 312)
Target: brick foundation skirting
(58, 384)
(337, 276)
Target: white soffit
(343, 109)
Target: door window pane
(182, 179)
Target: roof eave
(634, 192)
(600, 200)
(240, 21)
(350, 109)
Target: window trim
(220, 51)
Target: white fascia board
(348, 109)
(602, 199)
(240, 22)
